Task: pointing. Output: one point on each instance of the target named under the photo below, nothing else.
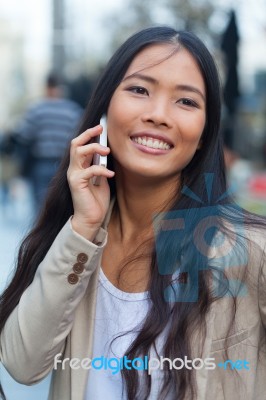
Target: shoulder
(256, 236)
(240, 244)
(70, 104)
(35, 107)
(257, 251)
(251, 228)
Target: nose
(157, 113)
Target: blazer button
(82, 258)
(72, 279)
(78, 268)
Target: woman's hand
(90, 202)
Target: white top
(116, 312)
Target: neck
(53, 93)
(138, 201)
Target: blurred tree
(192, 14)
(229, 46)
(181, 14)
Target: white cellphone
(97, 158)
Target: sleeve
(26, 129)
(37, 328)
(262, 288)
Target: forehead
(168, 59)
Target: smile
(151, 143)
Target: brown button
(72, 279)
(78, 268)
(82, 258)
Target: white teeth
(156, 144)
(153, 143)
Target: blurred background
(74, 39)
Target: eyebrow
(187, 88)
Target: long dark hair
(207, 165)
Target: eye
(138, 90)
(188, 102)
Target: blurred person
(9, 168)
(132, 269)
(43, 134)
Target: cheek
(116, 114)
(123, 108)
(192, 129)
(116, 118)
(121, 116)
(113, 119)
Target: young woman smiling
(105, 271)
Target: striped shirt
(48, 126)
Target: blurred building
(21, 75)
(11, 70)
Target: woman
(154, 287)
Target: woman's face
(157, 114)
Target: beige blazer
(56, 313)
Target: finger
(75, 179)
(85, 137)
(92, 148)
(98, 170)
(82, 156)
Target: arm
(37, 328)
(28, 126)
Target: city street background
(75, 39)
